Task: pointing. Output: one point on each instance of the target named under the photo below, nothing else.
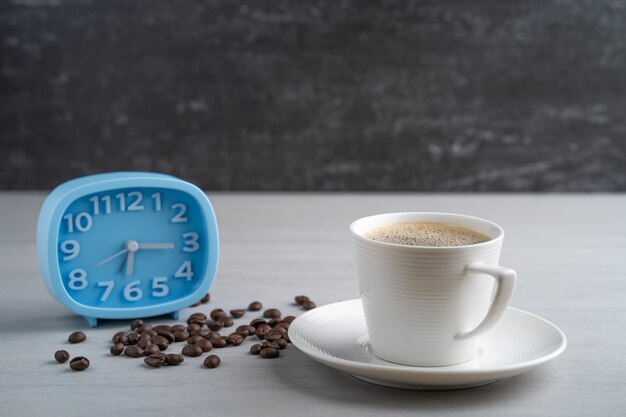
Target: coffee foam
(426, 234)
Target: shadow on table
(330, 385)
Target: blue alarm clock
(127, 245)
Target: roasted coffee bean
(162, 327)
(218, 342)
(237, 313)
(135, 324)
(270, 344)
(215, 325)
(204, 344)
(173, 359)
(243, 332)
(134, 351)
(262, 330)
(117, 349)
(206, 298)
(282, 343)
(201, 332)
(61, 356)
(308, 305)
(197, 320)
(269, 353)
(212, 361)
(144, 342)
(274, 322)
(226, 321)
(167, 334)
(132, 339)
(120, 337)
(300, 299)
(143, 328)
(217, 313)
(246, 330)
(79, 363)
(288, 319)
(271, 313)
(155, 360)
(160, 341)
(255, 306)
(193, 339)
(180, 336)
(178, 328)
(282, 325)
(76, 337)
(273, 335)
(257, 322)
(211, 335)
(256, 349)
(193, 326)
(152, 349)
(192, 350)
(149, 332)
(235, 339)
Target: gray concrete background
(326, 95)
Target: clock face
(132, 247)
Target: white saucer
(336, 335)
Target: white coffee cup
(427, 305)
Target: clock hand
(132, 246)
(112, 257)
(123, 263)
(156, 246)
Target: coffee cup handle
(505, 283)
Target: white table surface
(569, 252)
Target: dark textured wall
(317, 95)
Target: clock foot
(92, 321)
(175, 315)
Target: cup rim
(491, 241)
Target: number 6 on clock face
(121, 247)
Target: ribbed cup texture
(417, 299)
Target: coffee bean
(120, 337)
(282, 325)
(149, 332)
(206, 298)
(192, 350)
(144, 342)
(255, 306)
(152, 349)
(226, 321)
(288, 319)
(270, 344)
(211, 335)
(178, 328)
(218, 342)
(79, 363)
(201, 332)
(193, 326)
(257, 322)
(269, 353)
(262, 330)
(180, 336)
(308, 305)
(197, 320)
(132, 338)
(212, 361)
(235, 339)
(193, 339)
(237, 313)
(273, 335)
(204, 344)
(215, 325)
(256, 349)
(217, 313)
(155, 360)
(76, 337)
(143, 328)
(282, 343)
(160, 341)
(271, 313)
(300, 299)
(246, 330)
(134, 351)
(117, 349)
(273, 322)
(61, 356)
(135, 324)
(173, 359)
(167, 334)
(162, 327)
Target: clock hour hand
(156, 246)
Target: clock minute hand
(110, 258)
(156, 246)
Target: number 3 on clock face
(130, 250)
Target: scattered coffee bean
(282, 343)
(226, 321)
(143, 328)
(61, 356)
(217, 313)
(215, 325)
(211, 335)
(212, 361)
(257, 322)
(243, 332)
(204, 344)
(197, 320)
(218, 342)
(255, 306)
(246, 330)
(273, 335)
(289, 319)
(180, 336)
(270, 344)
(134, 351)
(117, 349)
(162, 327)
(135, 324)
(79, 363)
(173, 359)
(167, 334)
(156, 360)
(300, 299)
(160, 341)
(308, 305)
(144, 342)
(271, 313)
(262, 330)
(235, 339)
(201, 332)
(178, 328)
(269, 353)
(206, 298)
(76, 337)
(120, 337)
(193, 326)
(152, 349)
(149, 332)
(282, 325)
(238, 313)
(192, 350)
(193, 339)
(132, 338)
(256, 349)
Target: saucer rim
(437, 370)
